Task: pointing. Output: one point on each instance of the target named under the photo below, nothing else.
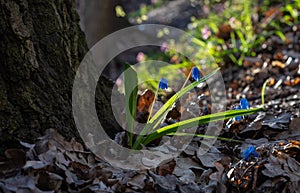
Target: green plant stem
(186, 80)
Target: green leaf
(242, 38)
(280, 35)
(232, 57)
(131, 89)
(241, 59)
(197, 121)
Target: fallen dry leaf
(184, 170)
(144, 102)
(209, 158)
(277, 122)
(15, 160)
(48, 181)
(167, 183)
(166, 168)
(137, 182)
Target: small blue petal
(255, 154)
(196, 74)
(250, 151)
(238, 118)
(163, 83)
(238, 107)
(244, 103)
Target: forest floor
(54, 164)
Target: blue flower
(238, 118)
(244, 104)
(163, 83)
(196, 74)
(249, 152)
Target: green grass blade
(161, 112)
(197, 121)
(242, 39)
(280, 35)
(205, 136)
(131, 89)
(232, 57)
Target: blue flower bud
(163, 83)
(248, 152)
(244, 103)
(196, 74)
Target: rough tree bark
(41, 47)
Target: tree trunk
(41, 47)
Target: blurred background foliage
(228, 31)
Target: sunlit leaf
(198, 121)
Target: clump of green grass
(151, 130)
